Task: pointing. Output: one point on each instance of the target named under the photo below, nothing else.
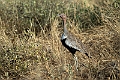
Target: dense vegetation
(30, 47)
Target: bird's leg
(76, 62)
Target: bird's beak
(58, 15)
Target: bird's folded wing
(75, 44)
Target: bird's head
(63, 16)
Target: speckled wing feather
(75, 43)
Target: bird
(71, 42)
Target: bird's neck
(65, 28)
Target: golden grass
(25, 56)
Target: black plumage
(70, 41)
(72, 50)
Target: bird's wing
(76, 44)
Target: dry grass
(31, 48)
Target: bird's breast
(63, 36)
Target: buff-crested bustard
(71, 42)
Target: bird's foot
(76, 62)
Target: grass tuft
(30, 47)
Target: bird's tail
(88, 55)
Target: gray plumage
(72, 43)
